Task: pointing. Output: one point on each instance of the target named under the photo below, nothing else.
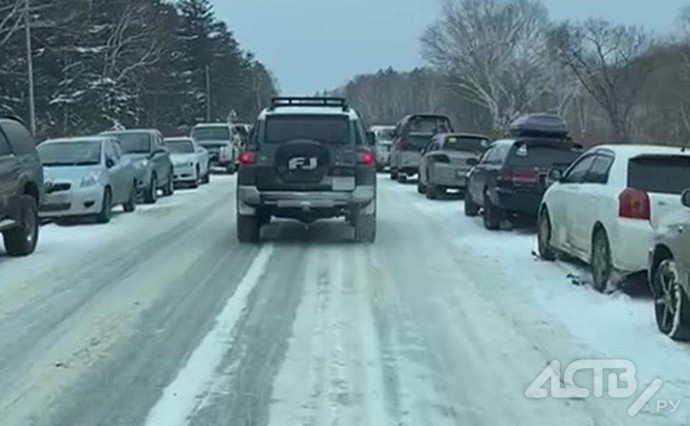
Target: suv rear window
(211, 133)
(542, 154)
(666, 174)
(430, 125)
(329, 129)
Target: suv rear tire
(22, 240)
(365, 228)
(248, 229)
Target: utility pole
(30, 66)
(208, 93)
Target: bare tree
(609, 62)
(494, 53)
(11, 18)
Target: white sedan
(605, 207)
(190, 161)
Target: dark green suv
(21, 187)
(307, 159)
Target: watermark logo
(620, 380)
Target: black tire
(230, 169)
(600, 260)
(131, 203)
(492, 214)
(197, 178)
(106, 207)
(207, 177)
(169, 188)
(365, 228)
(151, 193)
(471, 208)
(671, 303)
(402, 178)
(421, 188)
(433, 192)
(394, 174)
(546, 250)
(22, 240)
(248, 229)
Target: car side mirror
(472, 162)
(685, 198)
(109, 163)
(555, 175)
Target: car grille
(57, 187)
(55, 207)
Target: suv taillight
(518, 176)
(633, 204)
(246, 157)
(365, 157)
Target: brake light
(518, 176)
(633, 204)
(246, 157)
(365, 157)
(505, 176)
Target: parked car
(21, 187)
(509, 180)
(384, 142)
(447, 161)
(151, 161)
(190, 161)
(412, 134)
(86, 177)
(308, 159)
(606, 206)
(669, 272)
(221, 141)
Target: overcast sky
(317, 44)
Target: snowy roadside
(615, 326)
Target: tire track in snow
(180, 398)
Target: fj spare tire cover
(539, 125)
(302, 161)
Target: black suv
(510, 178)
(21, 187)
(307, 159)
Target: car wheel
(170, 185)
(394, 174)
(197, 178)
(230, 169)
(106, 207)
(433, 192)
(671, 304)
(421, 188)
(207, 177)
(492, 214)
(546, 250)
(248, 229)
(402, 177)
(151, 195)
(600, 260)
(131, 203)
(22, 240)
(365, 228)
(471, 208)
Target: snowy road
(161, 318)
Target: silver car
(669, 266)
(447, 160)
(86, 177)
(190, 161)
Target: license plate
(57, 199)
(343, 183)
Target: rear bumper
(522, 203)
(449, 176)
(630, 240)
(77, 202)
(249, 198)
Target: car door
(479, 174)
(202, 158)
(594, 197)
(161, 159)
(9, 174)
(115, 167)
(568, 223)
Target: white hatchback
(605, 207)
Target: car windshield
(180, 146)
(83, 153)
(666, 174)
(133, 143)
(211, 133)
(466, 143)
(385, 136)
(330, 129)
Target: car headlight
(142, 164)
(90, 180)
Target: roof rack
(309, 102)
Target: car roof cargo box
(539, 125)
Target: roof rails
(309, 102)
